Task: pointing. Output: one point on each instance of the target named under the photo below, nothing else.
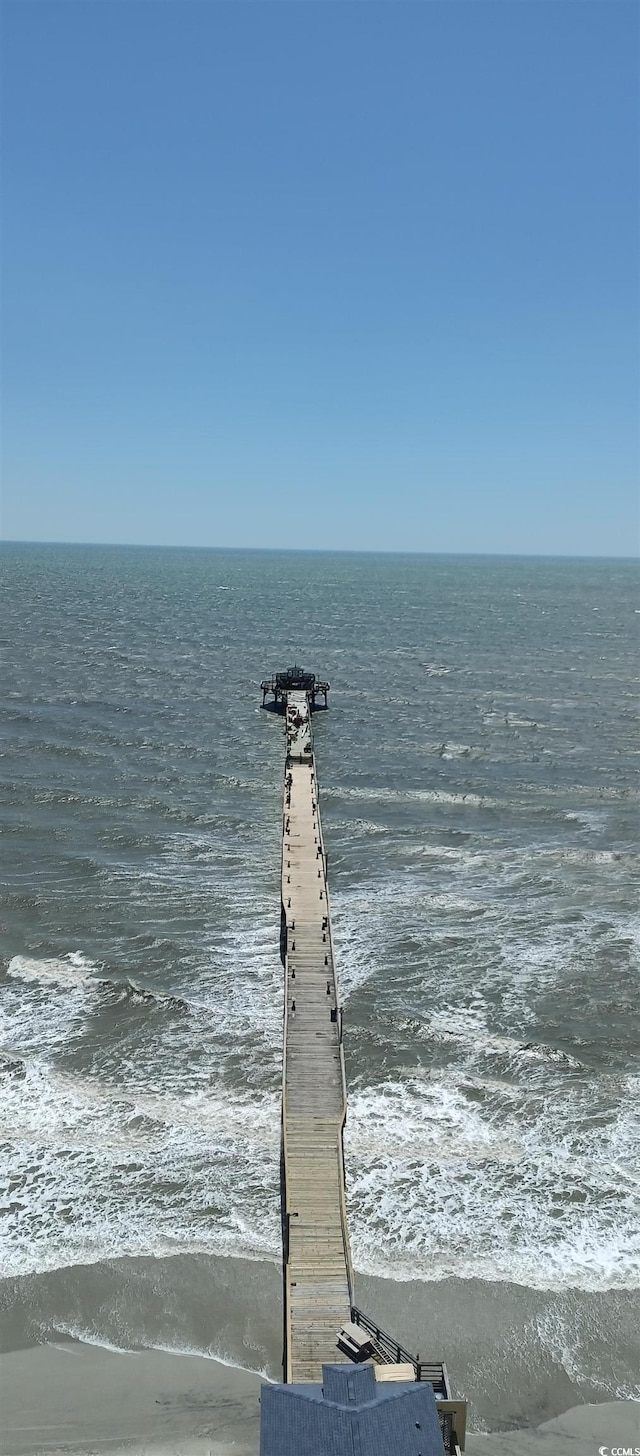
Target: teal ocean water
(478, 768)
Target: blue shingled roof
(355, 1385)
(350, 1414)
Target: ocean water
(478, 771)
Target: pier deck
(317, 1272)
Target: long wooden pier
(318, 1281)
(318, 1275)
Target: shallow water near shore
(521, 1356)
(477, 769)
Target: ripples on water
(477, 772)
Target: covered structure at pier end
(293, 680)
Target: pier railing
(394, 1354)
(309, 1269)
(343, 1075)
(452, 1414)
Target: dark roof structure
(350, 1414)
(294, 680)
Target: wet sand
(72, 1397)
(582, 1431)
(82, 1398)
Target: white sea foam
(592, 819)
(505, 916)
(427, 796)
(468, 1026)
(558, 1335)
(88, 1337)
(587, 858)
(72, 972)
(53, 1008)
(229, 999)
(442, 1184)
(211, 1352)
(496, 1170)
(93, 1171)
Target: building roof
(350, 1414)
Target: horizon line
(320, 550)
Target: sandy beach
(73, 1397)
(70, 1396)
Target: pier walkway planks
(317, 1271)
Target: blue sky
(334, 274)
